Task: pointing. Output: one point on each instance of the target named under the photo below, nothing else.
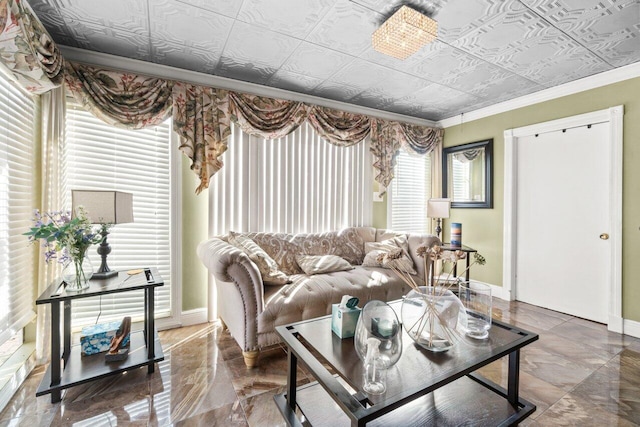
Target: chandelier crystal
(404, 33)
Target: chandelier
(404, 33)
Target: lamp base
(105, 275)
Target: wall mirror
(467, 176)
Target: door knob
(604, 236)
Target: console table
(423, 388)
(70, 368)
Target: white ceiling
(488, 51)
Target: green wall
(483, 228)
(194, 230)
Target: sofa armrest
(239, 286)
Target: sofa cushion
(271, 274)
(284, 248)
(374, 250)
(318, 264)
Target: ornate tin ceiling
(487, 51)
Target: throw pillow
(318, 264)
(271, 274)
(373, 250)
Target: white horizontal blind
(461, 183)
(409, 192)
(103, 157)
(299, 183)
(17, 135)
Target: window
(102, 157)
(408, 194)
(295, 184)
(17, 199)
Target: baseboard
(194, 317)
(15, 370)
(631, 328)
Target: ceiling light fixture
(404, 33)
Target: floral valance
(120, 99)
(202, 118)
(26, 48)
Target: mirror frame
(487, 144)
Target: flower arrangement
(65, 239)
(431, 312)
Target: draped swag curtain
(201, 116)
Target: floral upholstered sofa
(261, 284)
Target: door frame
(613, 116)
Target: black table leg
(466, 273)
(55, 351)
(292, 379)
(150, 328)
(67, 332)
(514, 378)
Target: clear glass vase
(434, 318)
(77, 273)
(378, 343)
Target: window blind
(461, 183)
(102, 157)
(17, 199)
(299, 183)
(409, 192)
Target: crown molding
(592, 82)
(194, 77)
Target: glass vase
(434, 318)
(77, 273)
(378, 343)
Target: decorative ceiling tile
(190, 26)
(438, 97)
(347, 27)
(108, 40)
(294, 81)
(444, 65)
(361, 74)
(228, 8)
(295, 18)
(118, 15)
(517, 26)
(315, 61)
(610, 29)
(569, 68)
(398, 85)
(253, 73)
(457, 18)
(178, 55)
(406, 65)
(372, 100)
(332, 90)
(488, 51)
(48, 14)
(250, 44)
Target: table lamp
(438, 209)
(105, 208)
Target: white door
(562, 208)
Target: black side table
(463, 248)
(71, 368)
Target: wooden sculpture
(119, 348)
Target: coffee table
(423, 388)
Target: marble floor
(577, 373)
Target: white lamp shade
(104, 207)
(438, 208)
